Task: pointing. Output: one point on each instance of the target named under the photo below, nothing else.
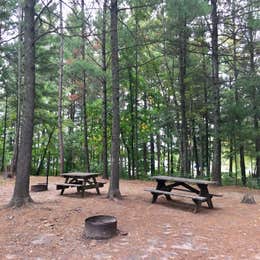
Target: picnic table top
(181, 179)
(80, 174)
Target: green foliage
(77, 67)
(149, 52)
(187, 9)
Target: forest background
(188, 86)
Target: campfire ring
(100, 227)
(39, 187)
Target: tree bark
(255, 94)
(71, 114)
(231, 156)
(158, 146)
(128, 155)
(48, 168)
(21, 194)
(216, 163)
(18, 92)
(104, 88)
(60, 94)
(145, 144)
(132, 136)
(171, 157)
(242, 164)
(114, 191)
(185, 169)
(44, 154)
(206, 122)
(195, 149)
(152, 155)
(4, 132)
(136, 99)
(84, 110)
(237, 99)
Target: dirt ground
(52, 228)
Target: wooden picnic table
(181, 187)
(81, 181)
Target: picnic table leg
(66, 181)
(197, 205)
(155, 196)
(168, 197)
(161, 186)
(205, 193)
(84, 182)
(82, 191)
(209, 202)
(97, 188)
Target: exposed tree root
(248, 199)
(20, 202)
(114, 195)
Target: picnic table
(80, 180)
(181, 187)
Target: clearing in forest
(52, 228)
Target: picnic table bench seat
(60, 186)
(101, 183)
(177, 194)
(211, 194)
(196, 199)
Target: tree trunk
(195, 149)
(164, 159)
(235, 71)
(71, 115)
(235, 155)
(182, 74)
(216, 163)
(242, 164)
(132, 136)
(128, 156)
(4, 132)
(18, 93)
(136, 99)
(171, 157)
(248, 198)
(145, 144)
(231, 157)
(255, 95)
(257, 147)
(48, 167)
(114, 191)
(44, 154)
(104, 84)
(21, 190)
(60, 95)
(206, 122)
(84, 110)
(152, 155)
(158, 145)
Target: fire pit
(100, 227)
(39, 187)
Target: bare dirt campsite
(52, 228)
